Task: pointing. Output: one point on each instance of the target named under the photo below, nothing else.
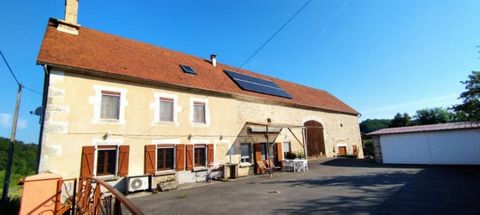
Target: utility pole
(8, 170)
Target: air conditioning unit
(138, 183)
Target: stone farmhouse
(116, 107)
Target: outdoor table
(296, 165)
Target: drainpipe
(46, 83)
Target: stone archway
(315, 139)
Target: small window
(188, 69)
(106, 161)
(286, 149)
(199, 112)
(245, 152)
(110, 107)
(199, 156)
(165, 158)
(166, 109)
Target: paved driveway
(332, 186)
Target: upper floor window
(166, 109)
(110, 105)
(199, 112)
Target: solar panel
(253, 84)
(188, 69)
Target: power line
(10, 69)
(32, 90)
(15, 77)
(274, 34)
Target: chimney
(71, 11)
(70, 23)
(213, 60)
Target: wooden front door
(315, 140)
(342, 151)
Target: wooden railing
(95, 196)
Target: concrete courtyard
(333, 186)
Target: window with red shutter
(123, 160)
(150, 159)
(88, 154)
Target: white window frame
(114, 143)
(97, 149)
(174, 157)
(96, 101)
(156, 108)
(207, 112)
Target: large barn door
(315, 139)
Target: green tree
(400, 120)
(429, 116)
(470, 109)
(370, 125)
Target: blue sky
(379, 56)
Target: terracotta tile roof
(92, 50)
(427, 128)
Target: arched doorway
(315, 139)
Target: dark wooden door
(342, 151)
(315, 140)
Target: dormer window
(188, 69)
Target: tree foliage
(400, 120)
(24, 157)
(429, 116)
(470, 109)
(370, 125)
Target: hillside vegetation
(24, 162)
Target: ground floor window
(263, 150)
(200, 156)
(245, 152)
(286, 148)
(106, 161)
(165, 158)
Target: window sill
(108, 178)
(197, 124)
(199, 169)
(164, 122)
(165, 172)
(109, 121)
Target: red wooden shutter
(279, 152)
(210, 154)
(88, 154)
(180, 159)
(123, 160)
(258, 151)
(189, 157)
(150, 159)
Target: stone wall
(72, 105)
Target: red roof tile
(96, 51)
(427, 128)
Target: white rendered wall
(441, 147)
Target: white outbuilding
(444, 144)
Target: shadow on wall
(434, 190)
